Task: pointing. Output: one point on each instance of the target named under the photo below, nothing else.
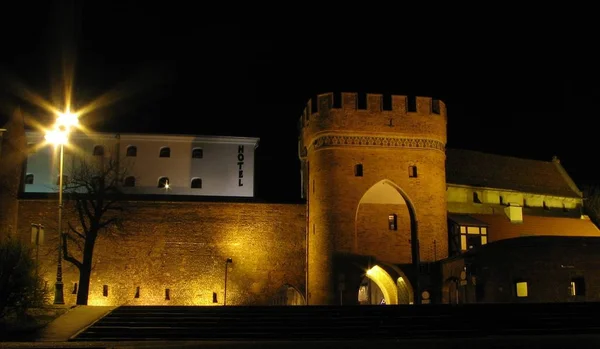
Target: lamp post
(227, 262)
(60, 136)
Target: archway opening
(385, 224)
(450, 291)
(288, 295)
(377, 287)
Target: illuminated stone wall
(183, 246)
(335, 137)
(375, 237)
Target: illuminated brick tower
(374, 180)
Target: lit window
(412, 171)
(521, 288)
(577, 286)
(393, 222)
(163, 182)
(472, 236)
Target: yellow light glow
(67, 120)
(57, 137)
(385, 283)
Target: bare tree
(94, 190)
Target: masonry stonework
(386, 145)
(182, 247)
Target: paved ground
(546, 342)
(70, 323)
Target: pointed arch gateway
(375, 235)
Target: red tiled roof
(501, 228)
(473, 168)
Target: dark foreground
(556, 325)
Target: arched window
(163, 182)
(129, 181)
(197, 153)
(165, 152)
(98, 150)
(196, 183)
(132, 150)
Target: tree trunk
(84, 284)
(85, 272)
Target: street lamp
(227, 262)
(60, 136)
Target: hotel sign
(240, 163)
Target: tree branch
(66, 256)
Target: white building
(152, 163)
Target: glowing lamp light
(67, 120)
(57, 137)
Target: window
(521, 289)
(105, 290)
(196, 183)
(131, 151)
(393, 222)
(29, 178)
(412, 171)
(129, 181)
(472, 236)
(65, 180)
(501, 199)
(476, 198)
(578, 286)
(98, 150)
(163, 182)
(167, 294)
(165, 152)
(197, 153)
(546, 206)
(358, 170)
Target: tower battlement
(322, 104)
(372, 114)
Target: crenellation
(374, 102)
(389, 106)
(325, 104)
(423, 105)
(349, 100)
(399, 104)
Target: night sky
(529, 91)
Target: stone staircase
(242, 323)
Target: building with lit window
(388, 215)
(152, 164)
